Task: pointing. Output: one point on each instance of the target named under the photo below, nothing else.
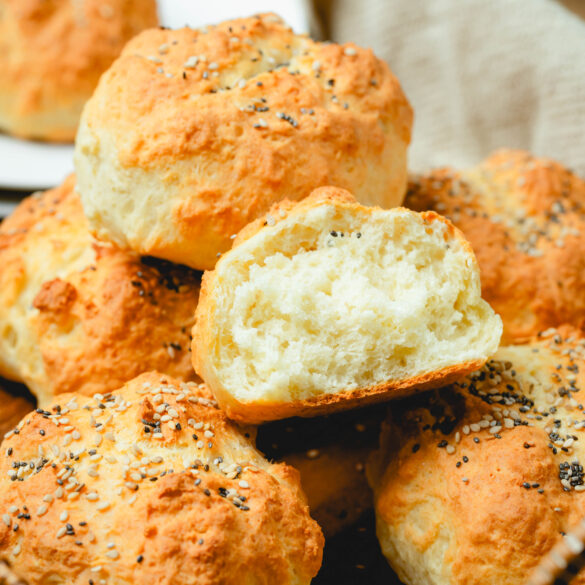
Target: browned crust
(184, 531)
(204, 331)
(110, 322)
(342, 199)
(495, 204)
(497, 500)
(255, 413)
(99, 324)
(54, 218)
(52, 55)
(222, 154)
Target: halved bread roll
(326, 304)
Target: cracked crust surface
(192, 134)
(476, 482)
(81, 316)
(104, 486)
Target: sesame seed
(64, 516)
(191, 62)
(243, 484)
(350, 51)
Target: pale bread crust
(475, 516)
(499, 205)
(174, 531)
(52, 55)
(256, 412)
(174, 156)
(86, 317)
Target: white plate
(195, 13)
(30, 166)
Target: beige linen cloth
(480, 74)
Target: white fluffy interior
(301, 312)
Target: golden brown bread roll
(330, 453)
(525, 220)
(191, 134)
(149, 484)
(326, 304)
(52, 53)
(476, 482)
(76, 316)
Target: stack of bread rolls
(164, 445)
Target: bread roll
(149, 484)
(476, 482)
(328, 304)
(191, 134)
(525, 220)
(330, 453)
(76, 316)
(52, 54)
